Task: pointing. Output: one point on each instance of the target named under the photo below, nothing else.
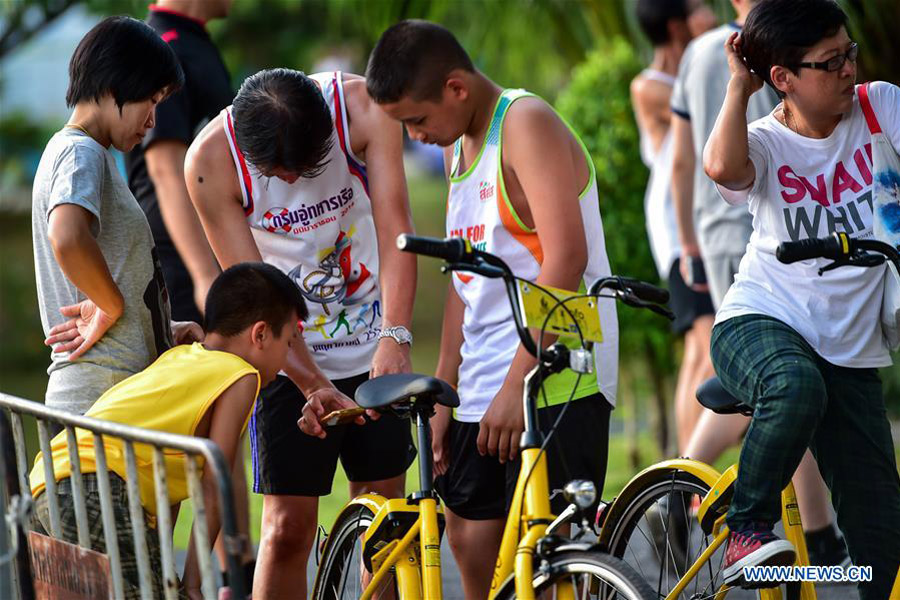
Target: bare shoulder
(531, 119)
(650, 96)
(210, 148)
(359, 104)
(367, 121)
(208, 160)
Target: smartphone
(696, 271)
(341, 417)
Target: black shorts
(687, 304)
(480, 487)
(286, 461)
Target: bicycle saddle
(401, 387)
(713, 396)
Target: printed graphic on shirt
(156, 299)
(817, 205)
(485, 191)
(337, 279)
(306, 217)
(473, 233)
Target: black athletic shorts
(687, 304)
(286, 461)
(480, 487)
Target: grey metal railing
(193, 447)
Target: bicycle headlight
(581, 493)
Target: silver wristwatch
(399, 334)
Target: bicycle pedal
(717, 500)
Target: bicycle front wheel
(658, 535)
(342, 574)
(585, 575)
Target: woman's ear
(782, 78)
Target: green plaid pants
(800, 400)
(121, 516)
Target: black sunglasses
(835, 62)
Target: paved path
(453, 588)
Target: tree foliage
(597, 104)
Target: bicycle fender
(700, 470)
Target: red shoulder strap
(871, 120)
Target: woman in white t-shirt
(804, 349)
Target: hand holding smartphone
(341, 417)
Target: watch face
(398, 334)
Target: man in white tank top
(305, 173)
(522, 187)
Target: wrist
(740, 87)
(114, 307)
(398, 334)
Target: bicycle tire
(338, 575)
(610, 577)
(649, 519)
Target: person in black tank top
(155, 172)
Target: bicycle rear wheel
(585, 575)
(341, 574)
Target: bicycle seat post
(422, 413)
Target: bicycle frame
(418, 569)
(529, 512)
(793, 527)
(418, 573)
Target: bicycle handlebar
(838, 247)
(645, 291)
(461, 256)
(454, 250)
(791, 252)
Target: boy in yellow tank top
(521, 186)
(205, 390)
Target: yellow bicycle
(668, 522)
(381, 547)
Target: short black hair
(413, 58)
(123, 57)
(779, 32)
(654, 15)
(249, 292)
(281, 120)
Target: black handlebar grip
(832, 247)
(647, 292)
(451, 249)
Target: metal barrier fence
(19, 498)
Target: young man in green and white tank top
(522, 187)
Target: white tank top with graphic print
(478, 209)
(321, 233)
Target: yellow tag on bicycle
(566, 319)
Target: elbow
(570, 266)
(715, 169)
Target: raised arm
(726, 158)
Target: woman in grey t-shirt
(102, 299)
